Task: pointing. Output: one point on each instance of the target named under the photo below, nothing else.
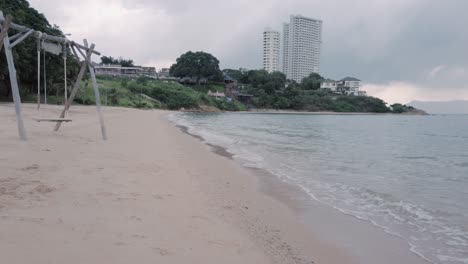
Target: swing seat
(53, 119)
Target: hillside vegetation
(148, 93)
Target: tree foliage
(263, 82)
(400, 108)
(270, 91)
(198, 65)
(312, 82)
(234, 74)
(118, 61)
(25, 54)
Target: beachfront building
(271, 50)
(164, 73)
(119, 71)
(350, 86)
(149, 71)
(217, 95)
(347, 86)
(329, 84)
(302, 41)
(285, 48)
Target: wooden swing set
(54, 45)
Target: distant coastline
(296, 112)
(293, 112)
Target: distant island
(442, 107)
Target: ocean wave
(429, 233)
(245, 157)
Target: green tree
(25, 54)
(234, 74)
(119, 61)
(196, 64)
(126, 62)
(269, 83)
(109, 60)
(312, 82)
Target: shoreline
(298, 112)
(292, 112)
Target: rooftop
(350, 79)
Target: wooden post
(76, 86)
(97, 96)
(45, 77)
(20, 39)
(74, 53)
(14, 85)
(5, 27)
(38, 74)
(65, 74)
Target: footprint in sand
(120, 243)
(42, 189)
(136, 218)
(162, 251)
(30, 168)
(161, 196)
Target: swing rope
(65, 74)
(64, 51)
(39, 73)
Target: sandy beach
(150, 194)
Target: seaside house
(347, 86)
(350, 86)
(163, 73)
(217, 95)
(230, 85)
(233, 90)
(329, 84)
(119, 71)
(149, 71)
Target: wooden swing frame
(86, 52)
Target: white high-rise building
(302, 43)
(271, 50)
(285, 47)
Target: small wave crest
(429, 233)
(232, 145)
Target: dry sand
(150, 194)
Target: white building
(216, 94)
(329, 84)
(348, 86)
(271, 50)
(285, 47)
(302, 43)
(351, 86)
(164, 73)
(117, 70)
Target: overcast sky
(403, 50)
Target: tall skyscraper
(302, 43)
(271, 50)
(285, 47)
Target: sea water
(405, 174)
